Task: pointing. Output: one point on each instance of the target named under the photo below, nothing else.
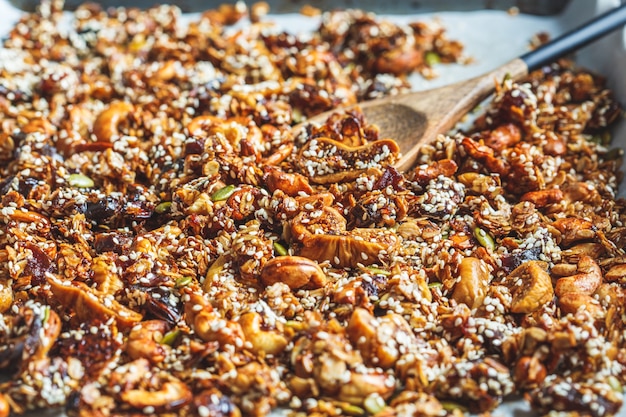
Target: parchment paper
(491, 38)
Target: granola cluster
(169, 247)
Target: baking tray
(538, 7)
(463, 20)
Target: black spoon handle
(576, 38)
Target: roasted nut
(171, 396)
(423, 174)
(6, 296)
(502, 137)
(295, 271)
(361, 385)
(144, 341)
(616, 273)
(543, 198)
(530, 286)
(586, 281)
(480, 184)
(5, 409)
(106, 127)
(149, 169)
(574, 229)
(575, 291)
(380, 340)
(471, 287)
(209, 325)
(529, 372)
(270, 342)
(291, 184)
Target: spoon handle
(576, 38)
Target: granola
(168, 247)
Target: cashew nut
(172, 395)
(107, 124)
(362, 385)
(543, 198)
(209, 325)
(266, 341)
(295, 271)
(291, 184)
(144, 341)
(576, 291)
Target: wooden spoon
(416, 118)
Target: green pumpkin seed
(351, 409)
(46, 314)
(223, 193)
(613, 154)
(183, 281)
(435, 284)
(603, 138)
(376, 271)
(432, 58)
(280, 249)
(163, 207)
(80, 181)
(170, 337)
(484, 238)
(451, 406)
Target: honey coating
(168, 247)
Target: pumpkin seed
(223, 193)
(280, 249)
(484, 238)
(351, 409)
(46, 315)
(183, 281)
(163, 207)
(613, 154)
(80, 181)
(376, 271)
(432, 58)
(451, 406)
(170, 337)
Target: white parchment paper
(491, 38)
